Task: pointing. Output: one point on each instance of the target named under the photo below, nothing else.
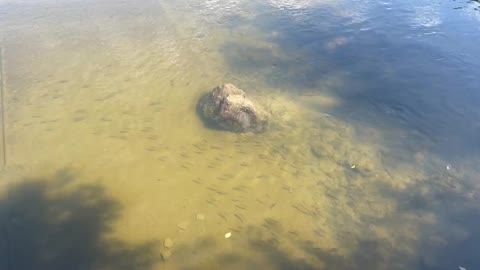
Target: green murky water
(106, 156)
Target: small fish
(211, 202)
(222, 216)
(241, 189)
(235, 229)
(240, 207)
(239, 217)
(301, 210)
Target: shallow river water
(370, 162)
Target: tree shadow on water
(55, 224)
(379, 80)
(447, 215)
(390, 83)
(434, 225)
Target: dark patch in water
(71, 224)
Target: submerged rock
(229, 108)
(166, 254)
(182, 225)
(168, 243)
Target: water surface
(370, 162)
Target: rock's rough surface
(229, 108)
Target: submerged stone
(168, 243)
(166, 254)
(182, 225)
(229, 108)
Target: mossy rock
(228, 108)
